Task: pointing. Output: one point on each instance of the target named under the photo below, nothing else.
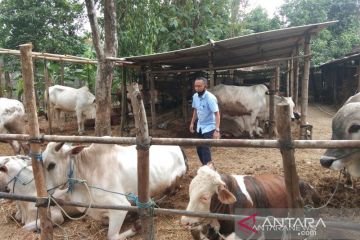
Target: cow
(345, 126)
(211, 191)
(111, 169)
(16, 176)
(244, 102)
(67, 99)
(12, 120)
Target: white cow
(12, 120)
(16, 176)
(241, 101)
(111, 168)
(67, 99)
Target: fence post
(143, 145)
(287, 151)
(35, 148)
(47, 101)
(305, 87)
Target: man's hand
(216, 135)
(192, 128)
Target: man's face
(199, 86)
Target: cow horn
(59, 146)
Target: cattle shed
(277, 51)
(340, 79)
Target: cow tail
(185, 159)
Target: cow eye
(354, 128)
(51, 166)
(3, 169)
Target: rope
(38, 156)
(63, 210)
(310, 208)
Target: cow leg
(15, 146)
(248, 126)
(80, 121)
(116, 219)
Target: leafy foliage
(335, 41)
(52, 26)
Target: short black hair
(202, 79)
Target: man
(206, 112)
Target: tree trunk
(105, 73)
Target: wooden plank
(35, 148)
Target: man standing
(206, 112)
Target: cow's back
(240, 100)
(12, 116)
(63, 97)
(115, 163)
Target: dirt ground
(228, 160)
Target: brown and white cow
(211, 191)
(12, 120)
(108, 169)
(241, 101)
(67, 99)
(16, 176)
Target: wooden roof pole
(305, 86)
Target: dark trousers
(203, 151)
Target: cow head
(206, 183)
(10, 166)
(56, 158)
(345, 126)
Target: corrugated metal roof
(342, 59)
(239, 50)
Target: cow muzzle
(326, 161)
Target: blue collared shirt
(205, 105)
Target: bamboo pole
(291, 77)
(287, 79)
(295, 93)
(35, 148)
(143, 146)
(47, 99)
(272, 61)
(256, 143)
(272, 103)
(124, 102)
(277, 79)
(357, 76)
(66, 58)
(1, 74)
(8, 86)
(283, 122)
(305, 87)
(164, 211)
(62, 73)
(184, 84)
(152, 99)
(211, 69)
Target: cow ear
(77, 149)
(3, 169)
(225, 196)
(354, 128)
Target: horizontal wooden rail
(164, 211)
(251, 143)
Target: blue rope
(38, 156)
(132, 197)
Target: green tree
(258, 21)
(334, 41)
(51, 26)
